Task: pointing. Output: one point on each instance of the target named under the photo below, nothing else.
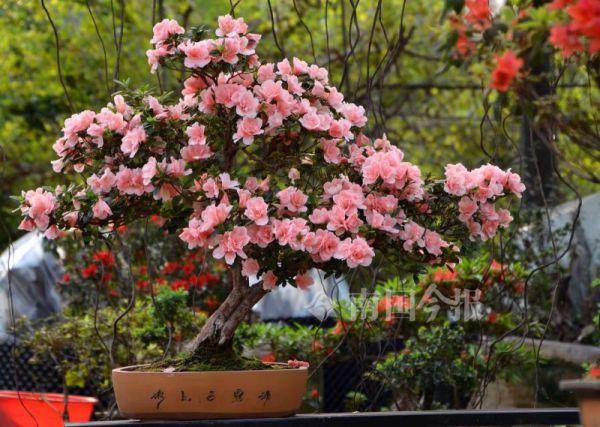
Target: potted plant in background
(587, 390)
(266, 167)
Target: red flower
(188, 268)
(464, 46)
(107, 277)
(563, 37)
(507, 67)
(314, 393)
(106, 258)
(158, 220)
(492, 317)
(89, 271)
(268, 358)
(211, 302)
(66, 278)
(478, 12)
(143, 285)
(170, 267)
(180, 284)
(586, 20)
(559, 4)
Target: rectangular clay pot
(210, 394)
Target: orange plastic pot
(25, 409)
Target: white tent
(289, 302)
(32, 273)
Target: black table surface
(544, 416)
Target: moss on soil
(209, 359)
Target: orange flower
(594, 372)
(268, 358)
(340, 328)
(441, 275)
(317, 346)
(507, 67)
(394, 303)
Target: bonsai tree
(262, 165)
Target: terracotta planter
(206, 395)
(588, 393)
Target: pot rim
(45, 397)
(584, 384)
(128, 370)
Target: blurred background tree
(393, 57)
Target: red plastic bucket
(26, 409)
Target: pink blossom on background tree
(265, 166)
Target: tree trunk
(537, 139)
(219, 330)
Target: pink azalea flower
(101, 209)
(52, 232)
(41, 204)
(243, 197)
(247, 129)
(269, 90)
(434, 243)
(354, 113)
(321, 244)
(231, 244)
(102, 184)
(229, 27)
(27, 224)
(196, 152)
(331, 152)
(350, 199)
(256, 210)
(303, 281)
(319, 216)
(458, 180)
(227, 183)
(467, 208)
(297, 364)
(355, 252)
(164, 29)
(293, 175)
(292, 199)
(211, 188)
(290, 232)
(412, 234)
(132, 140)
(269, 280)
(197, 54)
(341, 129)
(261, 235)
(266, 72)
(195, 134)
(250, 267)
(215, 215)
(246, 105)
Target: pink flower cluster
(478, 189)
(281, 121)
